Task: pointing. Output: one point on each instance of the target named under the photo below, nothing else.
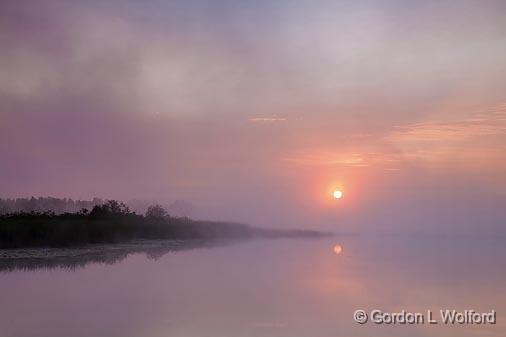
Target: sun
(337, 194)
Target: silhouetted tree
(113, 222)
(43, 204)
(110, 208)
(83, 211)
(156, 211)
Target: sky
(256, 111)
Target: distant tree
(4, 208)
(111, 207)
(156, 211)
(31, 205)
(83, 211)
(42, 204)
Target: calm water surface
(286, 287)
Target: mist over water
(284, 287)
(381, 121)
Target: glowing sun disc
(338, 249)
(338, 194)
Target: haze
(256, 111)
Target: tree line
(46, 204)
(114, 222)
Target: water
(285, 287)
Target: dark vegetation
(46, 204)
(113, 222)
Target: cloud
(477, 141)
(327, 158)
(268, 119)
(343, 158)
(489, 123)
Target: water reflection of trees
(75, 258)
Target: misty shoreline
(114, 223)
